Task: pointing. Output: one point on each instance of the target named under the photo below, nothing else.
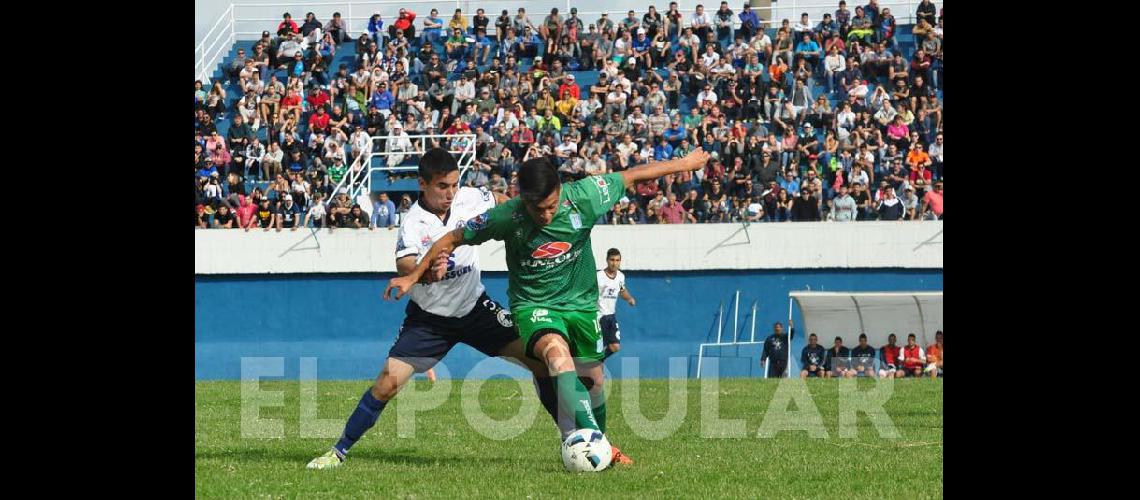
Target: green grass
(448, 458)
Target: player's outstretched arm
(445, 243)
(693, 161)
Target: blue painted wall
(342, 321)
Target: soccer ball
(586, 450)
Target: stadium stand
(831, 119)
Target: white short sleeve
(407, 241)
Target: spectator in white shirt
(706, 95)
(701, 23)
(833, 65)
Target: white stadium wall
(808, 245)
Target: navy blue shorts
(426, 338)
(611, 331)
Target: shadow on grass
(404, 456)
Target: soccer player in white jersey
(611, 284)
(449, 306)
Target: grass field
(448, 458)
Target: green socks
(599, 403)
(573, 396)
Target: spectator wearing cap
(910, 203)
(588, 43)
(201, 219)
(288, 50)
(382, 100)
(398, 145)
(502, 26)
(288, 214)
(749, 21)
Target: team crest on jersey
(477, 223)
(504, 317)
(603, 190)
(551, 250)
(486, 194)
(425, 241)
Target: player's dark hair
(862, 336)
(612, 252)
(839, 338)
(911, 336)
(537, 179)
(436, 162)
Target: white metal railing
(247, 21)
(207, 55)
(460, 145)
(736, 341)
(255, 18)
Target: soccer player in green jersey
(553, 289)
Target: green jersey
(551, 266)
(336, 173)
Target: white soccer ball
(586, 450)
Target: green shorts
(580, 329)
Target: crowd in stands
(889, 361)
(826, 120)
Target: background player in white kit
(449, 306)
(611, 284)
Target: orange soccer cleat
(619, 457)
